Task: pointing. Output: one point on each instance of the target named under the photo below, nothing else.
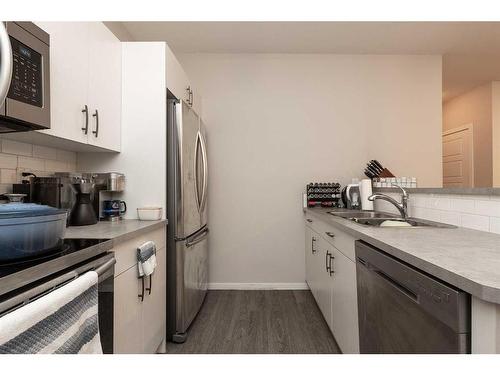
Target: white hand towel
(63, 321)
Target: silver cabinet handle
(330, 234)
(327, 261)
(189, 96)
(331, 265)
(96, 131)
(5, 63)
(313, 240)
(86, 127)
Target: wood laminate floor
(258, 321)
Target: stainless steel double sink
(383, 219)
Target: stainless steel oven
(27, 106)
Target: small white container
(150, 213)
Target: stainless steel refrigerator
(187, 238)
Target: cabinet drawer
(126, 252)
(341, 240)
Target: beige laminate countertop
(119, 231)
(466, 258)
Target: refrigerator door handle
(198, 238)
(196, 182)
(205, 172)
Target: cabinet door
(177, 80)
(155, 307)
(324, 280)
(310, 255)
(345, 303)
(128, 314)
(196, 100)
(69, 75)
(104, 88)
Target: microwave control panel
(27, 79)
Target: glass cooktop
(69, 246)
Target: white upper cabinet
(105, 88)
(179, 84)
(69, 75)
(85, 75)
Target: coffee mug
(114, 208)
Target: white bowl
(150, 213)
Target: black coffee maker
(83, 212)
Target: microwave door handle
(5, 63)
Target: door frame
(470, 128)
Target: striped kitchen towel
(146, 258)
(63, 321)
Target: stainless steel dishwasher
(403, 310)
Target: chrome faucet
(401, 206)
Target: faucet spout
(401, 206)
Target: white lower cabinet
(139, 323)
(331, 276)
(345, 303)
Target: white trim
(258, 286)
(458, 129)
(470, 129)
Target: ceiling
(471, 50)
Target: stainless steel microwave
(27, 106)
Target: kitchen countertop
(466, 258)
(119, 231)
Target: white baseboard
(258, 286)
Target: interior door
(188, 141)
(458, 158)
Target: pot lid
(13, 210)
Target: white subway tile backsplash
(16, 148)
(449, 217)
(495, 225)
(440, 203)
(18, 157)
(31, 163)
(478, 222)
(8, 161)
(462, 205)
(43, 152)
(8, 176)
(56, 166)
(66, 156)
(479, 212)
(488, 207)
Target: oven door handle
(41, 290)
(101, 270)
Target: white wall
(143, 153)
(277, 122)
